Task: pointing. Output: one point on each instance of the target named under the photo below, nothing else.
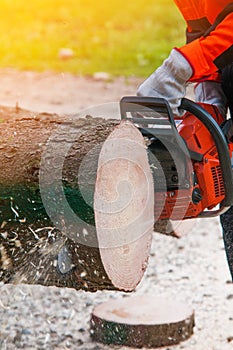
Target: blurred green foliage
(118, 37)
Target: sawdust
(192, 269)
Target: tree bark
(61, 221)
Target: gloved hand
(169, 81)
(211, 92)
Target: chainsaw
(190, 156)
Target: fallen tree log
(76, 201)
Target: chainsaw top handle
(138, 106)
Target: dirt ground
(192, 269)
(61, 93)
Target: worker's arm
(209, 36)
(199, 60)
(210, 53)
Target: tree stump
(76, 201)
(142, 321)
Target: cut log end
(142, 321)
(123, 205)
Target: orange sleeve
(195, 16)
(191, 10)
(210, 53)
(209, 45)
(201, 13)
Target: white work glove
(169, 81)
(210, 91)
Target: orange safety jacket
(209, 33)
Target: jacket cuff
(202, 68)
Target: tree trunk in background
(76, 201)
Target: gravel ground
(192, 269)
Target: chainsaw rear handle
(221, 145)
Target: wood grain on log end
(124, 206)
(142, 321)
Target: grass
(116, 36)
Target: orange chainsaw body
(190, 156)
(208, 183)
